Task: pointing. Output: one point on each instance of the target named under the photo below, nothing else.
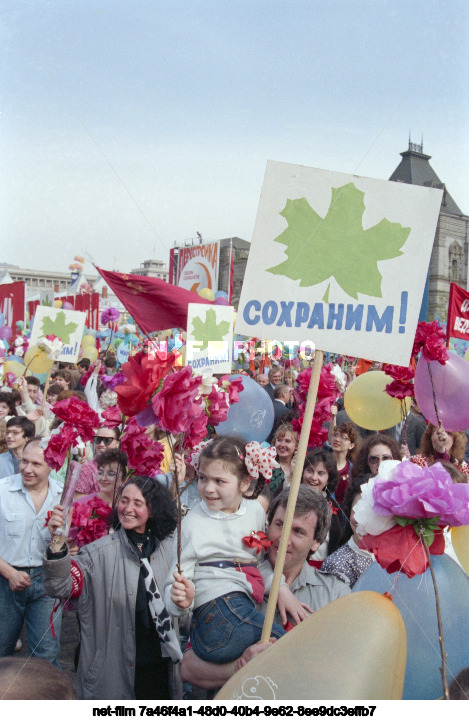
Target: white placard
(340, 261)
(209, 344)
(68, 325)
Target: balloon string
(438, 614)
(434, 395)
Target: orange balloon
(460, 540)
(362, 634)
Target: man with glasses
(105, 439)
(18, 431)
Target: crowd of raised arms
(155, 623)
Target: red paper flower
(217, 407)
(92, 518)
(175, 405)
(327, 395)
(400, 549)
(78, 414)
(143, 378)
(400, 389)
(257, 540)
(58, 445)
(430, 341)
(197, 431)
(233, 387)
(112, 417)
(399, 373)
(144, 456)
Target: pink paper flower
(58, 445)
(79, 415)
(144, 455)
(430, 340)
(112, 417)
(196, 432)
(233, 387)
(175, 405)
(427, 492)
(217, 406)
(91, 518)
(400, 389)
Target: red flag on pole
(458, 313)
(152, 303)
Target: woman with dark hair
(373, 451)
(7, 405)
(350, 561)
(345, 442)
(105, 439)
(129, 647)
(320, 473)
(438, 445)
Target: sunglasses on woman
(103, 439)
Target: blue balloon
(253, 417)
(415, 599)
(130, 320)
(221, 294)
(42, 377)
(16, 358)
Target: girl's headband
(257, 459)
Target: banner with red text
(197, 267)
(458, 313)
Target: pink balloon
(6, 332)
(221, 301)
(67, 306)
(451, 383)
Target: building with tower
(449, 259)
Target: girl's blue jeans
(222, 629)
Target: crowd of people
(155, 623)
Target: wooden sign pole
(295, 484)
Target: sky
(127, 125)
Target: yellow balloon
(37, 360)
(16, 368)
(90, 352)
(368, 404)
(466, 355)
(363, 632)
(460, 539)
(87, 340)
(57, 303)
(207, 293)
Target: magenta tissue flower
(416, 492)
(108, 315)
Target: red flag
(152, 303)
(12, 303)
(458, 313)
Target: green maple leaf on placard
(337, 246)
(208, 331)
(58, 327)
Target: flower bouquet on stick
(401, 516)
